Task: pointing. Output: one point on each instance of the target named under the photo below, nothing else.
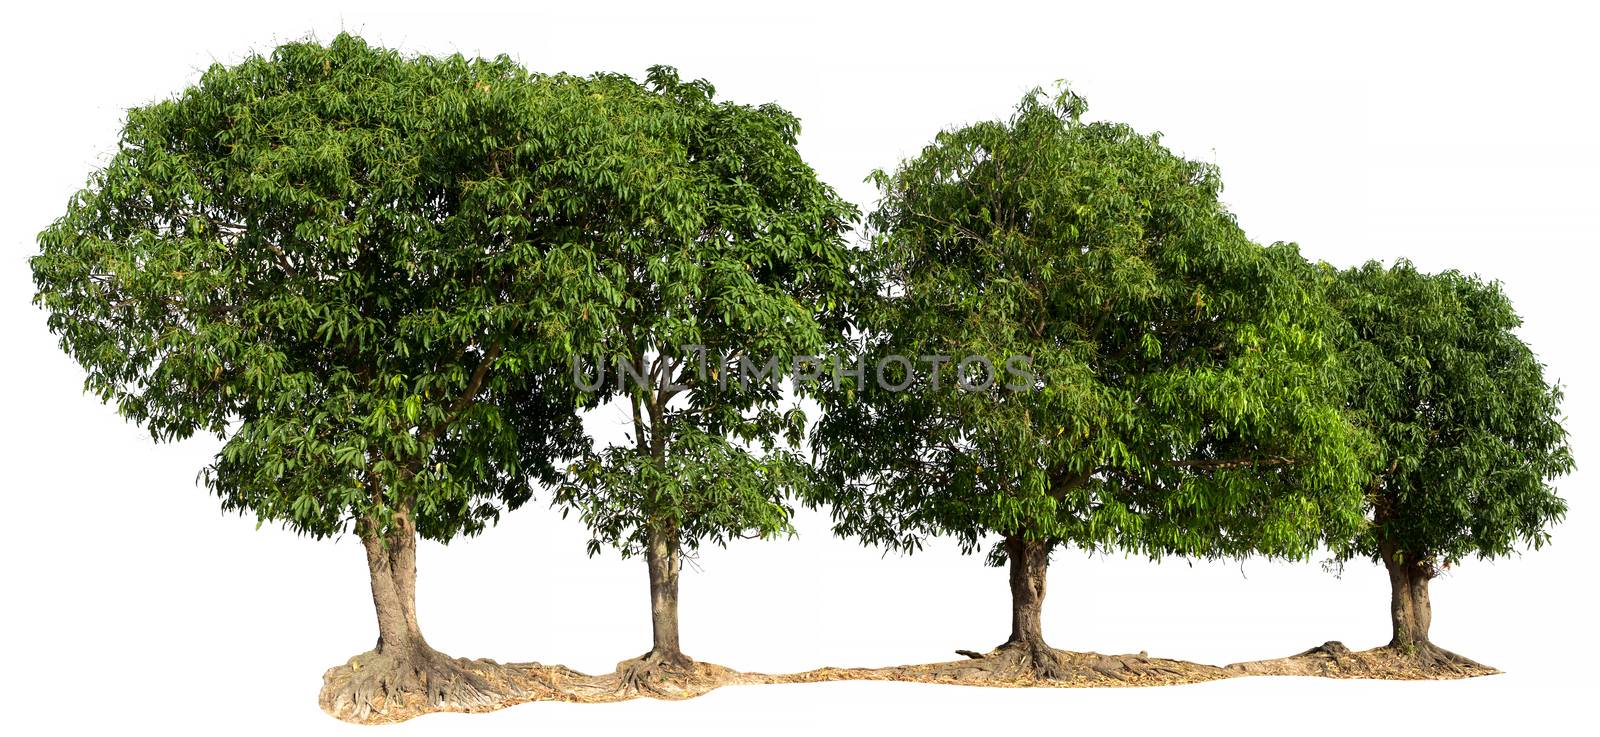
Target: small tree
(695, 323)
(349, 266)
(1467, 429)
(1151, 381)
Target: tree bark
(392, 564)
(402, 671)
(1026, 653)
(664, 562)
(1028, 561)
(1409, 610)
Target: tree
(694, 324)
(1467, 430)
(1092, 355)
(349, 265)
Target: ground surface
(1334, 660)
(509, 684)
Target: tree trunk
(1025, 653)
(1409, 610)
(392, 564)
(1028, 560)
(402, 672)
(664, 562)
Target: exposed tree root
(1036, 663)
(1015, 660)
(1442, 659)
(1028, 664)
(383, 686)
(669, 676)
(1333, 660)
(377, 688)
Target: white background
(1456, 137)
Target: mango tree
(1467, 427)
(1076, 345)
(348, 265)
(698, 329)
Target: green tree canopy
(352, 266)
(1467, 429)
(1185, 395)
(758, 281)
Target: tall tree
(696, 326)
(347, 264)
(1139, 376)
(1468, 432)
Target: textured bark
(665, 669)
(1410, 612)
(664, 563)
(402, 673)
(392, 564)
(1028, 561)
(1025, 657)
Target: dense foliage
(349, 264)
(1467, 426)
(392, 285)
(1186, 394)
